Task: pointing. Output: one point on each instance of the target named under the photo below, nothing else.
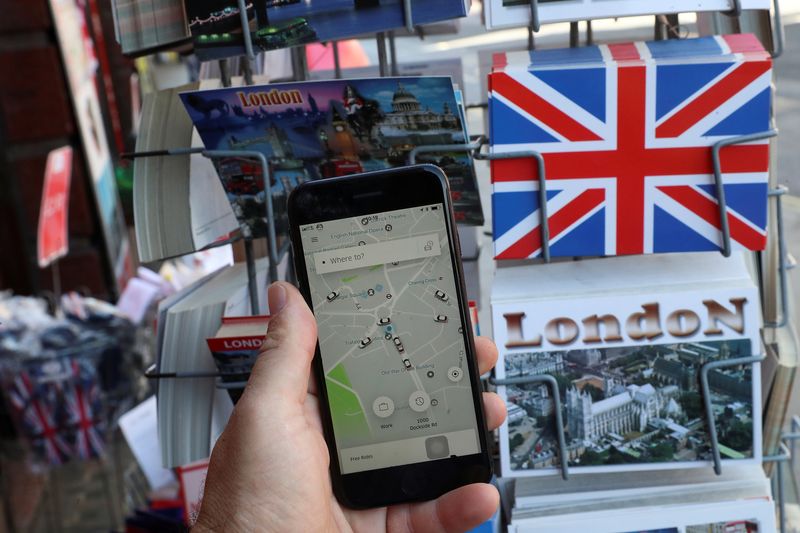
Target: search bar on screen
(380, 253)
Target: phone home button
(413, 482)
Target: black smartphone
(378, 261)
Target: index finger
(486, 353)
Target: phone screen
(391, 338)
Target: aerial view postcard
(629, 380)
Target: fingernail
(277, 297)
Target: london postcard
(628, 368)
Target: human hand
(269, 468)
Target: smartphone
(377, 259)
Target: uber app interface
(391, 338)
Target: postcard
(323, 129)
(216, 24)
(628, 369)
(508, 13)
(752, 515)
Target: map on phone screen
(391, 338)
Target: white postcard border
(650, 518)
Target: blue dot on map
(379, 287)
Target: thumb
(284, 363)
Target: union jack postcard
(626, 132)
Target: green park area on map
(348, 417)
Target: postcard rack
(300, 67)
(474, 148)
(786, 447)
(275, 255)
(387, 64)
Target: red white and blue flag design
(84, 410)
(59, 407)
(626, 132)
(36, 407)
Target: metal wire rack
(387, 65)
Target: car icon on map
(440, 295)
(366, 341)
(384, 321)
(440, 318)
(332, 296)
(398, 344)
(407, 364)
